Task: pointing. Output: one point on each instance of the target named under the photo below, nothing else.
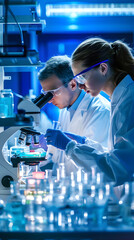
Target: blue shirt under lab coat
(88, 116)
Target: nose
(82, 86)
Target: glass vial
(15, 208)
(6, 103)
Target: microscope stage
(31, 158)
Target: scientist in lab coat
(100, 65)
(80, 113)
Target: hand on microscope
(60, 139)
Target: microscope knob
(6, 181)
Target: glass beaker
(15, 208)
(6, 99)
(56, 125)
(127, 204)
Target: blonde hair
(95, 50)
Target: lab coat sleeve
(98, 127)
(53, 152)
(117, 164)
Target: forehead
(51, 83)
(77, 67)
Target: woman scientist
(102, 66)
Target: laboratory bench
(108, 234)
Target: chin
(60, 107)
(94, 94)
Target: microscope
(17, 57)
(31, 158)
(27, 118)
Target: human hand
(57, 138)
(76, 137)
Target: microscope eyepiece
(38, 98)
(43, 99)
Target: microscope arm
(32, 108)
(7, 172)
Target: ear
(103, 68)
(73, 84)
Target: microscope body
(32, 111)
(7, 172)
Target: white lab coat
(118, 162)
(91, 115)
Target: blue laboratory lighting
(78, 10)
(38, 9)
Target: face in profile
(62, 95)
(91, 81)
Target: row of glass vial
(65, 205)
(71, 203)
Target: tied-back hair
(59, 66)
(94, 50)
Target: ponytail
(94, 50)
(123, 58)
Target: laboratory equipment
(29, 158)
(30, 192)
(7, 172)
(15, 207)
(26, 136)
(12, 56)
(112, 207)
(3, 217)
(16, 149)
(19, 16)
(127, 204)
(6, 103)
(25, 119)
(32, 108)
(66, 205)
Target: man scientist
(80, 113)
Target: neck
(112, 83)
(109, 88)
(75, 96)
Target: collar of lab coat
(119, 90)
(75, 105)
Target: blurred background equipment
(109, 19)
(15, 17)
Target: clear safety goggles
(80, 79)
(55, 92)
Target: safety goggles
(55, 92)
(80, 79)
